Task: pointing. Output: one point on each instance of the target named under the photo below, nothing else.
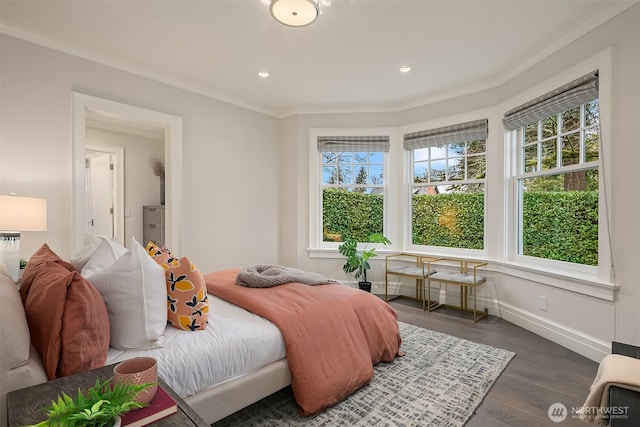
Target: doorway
(104, 179)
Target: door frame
(172, 126)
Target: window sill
(573, 282)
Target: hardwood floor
(541, 373)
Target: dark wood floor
(541, 373)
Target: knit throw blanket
(614, 370)
(266, 276)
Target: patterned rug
(440, 382)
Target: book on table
(160, 407)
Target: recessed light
(405, 69)
(263, 74)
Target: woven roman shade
(566, 97)
(463, 132)
(353, 143)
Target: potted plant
(100, 406)
(358, 261)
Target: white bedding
(234, 343)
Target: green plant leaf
(97, 407)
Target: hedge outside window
(353, 186)
(448, 184)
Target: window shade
(353, 143)
(571, 95)
(463, 132)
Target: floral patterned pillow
(187, 302)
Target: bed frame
(224, 399)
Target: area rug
(440, 382)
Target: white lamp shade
(294, 13)
(23, 214)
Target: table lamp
(18, 214)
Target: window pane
(592, 113)
(360, 158)
(329, 175)
(571, 149)
(351, 212)
(531, 158)
(571, 120)
(421, 154)
(456, 169)
(549, 154)
(420, 172)
(592, 144)
(376, 174)
(437, 170)
(477, 147)
(377, 157)
(346, 174)
(361, 176)
(476, 167)
(456, 150)
(531, 132)
(439, 152)
(329, 157)
(550, 127)
(560, 217)
(448, 216)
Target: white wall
(231, 185)
(583, 323)
(141, 186)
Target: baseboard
(583, 344)
(586, 345)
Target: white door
(100, 194)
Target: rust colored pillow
(36, 263)
(68, 321)
(187, 302)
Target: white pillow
(134, 290)
(106, 254)
(92, 241)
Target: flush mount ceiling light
(404, 68)
(263, 74)
(294, 13)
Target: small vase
(117, 422)
(162, 190)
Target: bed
(322, 340)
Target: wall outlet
(542, 303)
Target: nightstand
(24, 405)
